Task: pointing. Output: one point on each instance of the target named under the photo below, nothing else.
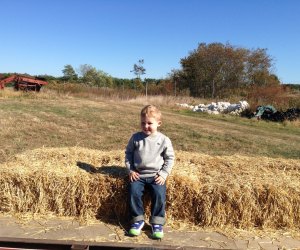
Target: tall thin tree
(138, 70)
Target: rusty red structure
(21, 82)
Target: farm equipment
(21, 82)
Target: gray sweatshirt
(150, 155)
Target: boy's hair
(151, 111)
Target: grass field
(35, 120)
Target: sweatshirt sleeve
(169, 157)
(129, 152)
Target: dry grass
(48, 119)
(9, 93)
(230, 191)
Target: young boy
(149, 158)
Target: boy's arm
(129, 162)
(169, 157)
(129, 155)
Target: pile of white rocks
(218, 107)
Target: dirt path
(68, 230)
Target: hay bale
(243, 192)
(66, 181)
(239, 191)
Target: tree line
(209, 71)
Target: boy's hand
(159, 180)
(134, 176)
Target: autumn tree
(212, 69)
(257, 67)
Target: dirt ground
(64, 229)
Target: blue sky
(40, 36)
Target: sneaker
(157, 231)
(136, 228)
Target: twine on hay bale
(239, 191)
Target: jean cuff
(137, 218)
(157, 220)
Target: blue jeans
(158, 200)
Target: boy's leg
(158, 203)
(136, 206)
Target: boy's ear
(159, 123)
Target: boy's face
(149, 125)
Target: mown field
(34, 120)
(64, 154)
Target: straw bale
(237, 191)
